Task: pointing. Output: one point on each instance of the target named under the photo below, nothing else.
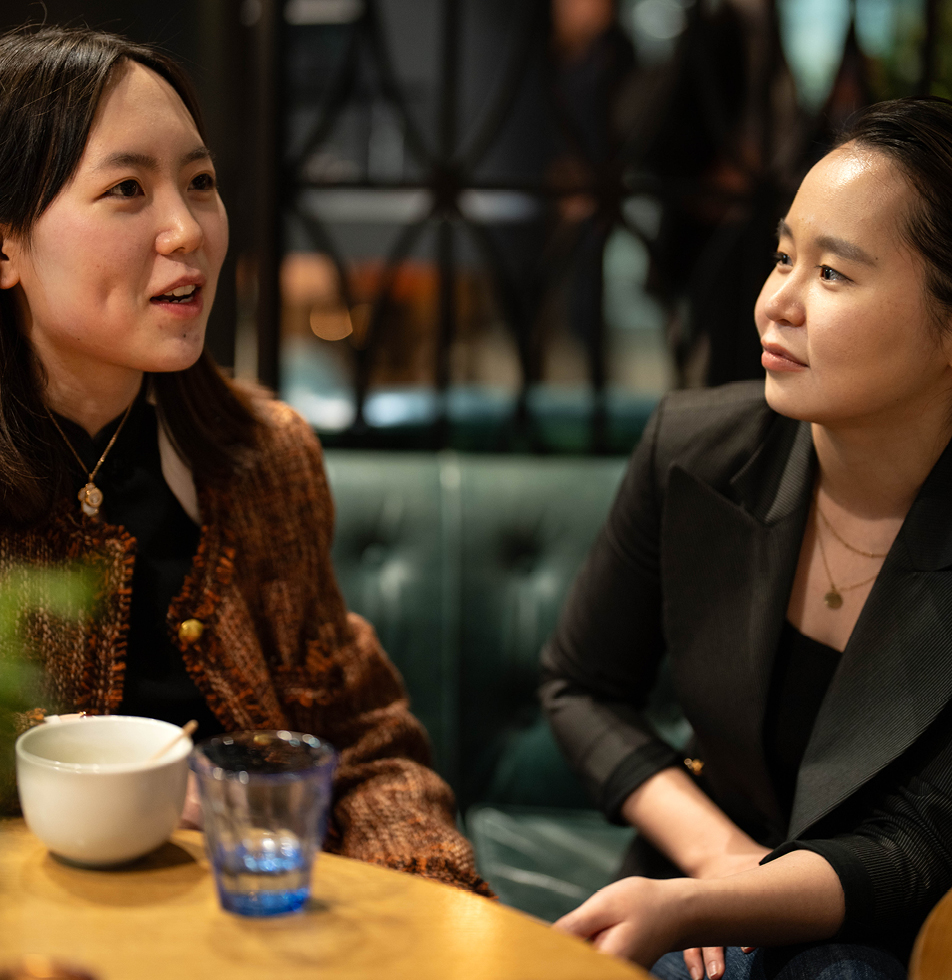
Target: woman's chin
(171, 368)
(785, 401)
(177, 357)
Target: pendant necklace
(834, 598)
(90, 496)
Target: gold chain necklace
(846, 544)
(834, 598)
(90, 497)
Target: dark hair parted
(916, 135)
(51, 82)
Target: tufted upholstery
(396, 566)
(527, 524)
(462, 563)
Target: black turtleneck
(137, 498)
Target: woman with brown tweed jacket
(202, 508)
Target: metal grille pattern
(502, 152)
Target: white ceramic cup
(89, 792)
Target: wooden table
(932, 953)
(159, 920)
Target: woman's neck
(92, 405)
(875, 472)
(83, 389)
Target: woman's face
(121, 268)
(844, 317)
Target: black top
(802, 672)
(137, 498)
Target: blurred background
(510, 227)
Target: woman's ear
(10, 255)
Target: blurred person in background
(593, 60)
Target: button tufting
(191, 630)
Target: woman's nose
(180, 231)
(783, 304)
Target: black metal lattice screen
(512, 225)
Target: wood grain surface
(159, 919)
(932, 953)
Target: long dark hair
(916, 135)
(51, 81)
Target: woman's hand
(671, 811)
(795, 899)
(637, 918)
(711, 958)
(641, 919)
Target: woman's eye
(204, 182)
(781, 258)
(127, 188)
(831, 275)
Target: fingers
(619, 940)
(590, 918)
(606, 908)
(714, 961)
(627, 918)
(710, 959)
(694, 963)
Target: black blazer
(696, 562)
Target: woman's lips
(181, 309)
(775, 358)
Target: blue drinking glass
(265, 800)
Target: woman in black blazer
(790, 552)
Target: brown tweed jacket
(278, 649)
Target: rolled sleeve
(851, 868)
(630, 773)
(895, 862)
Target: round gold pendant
(90, 499)
(833, 599)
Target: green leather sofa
(462, 563)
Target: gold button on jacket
(191, 630)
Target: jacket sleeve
(895, 862)
(600, 665)
(389, 807)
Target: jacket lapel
(732, 560)
(738, 556)
(896, 672)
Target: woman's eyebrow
(843, 248)
(146, 162)
(830, 243)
